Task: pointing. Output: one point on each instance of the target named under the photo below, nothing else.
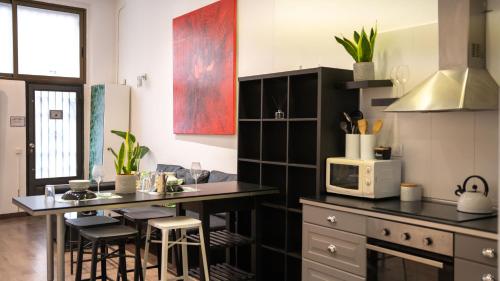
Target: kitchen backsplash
(439, 150)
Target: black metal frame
(35, 186)
(41, 78)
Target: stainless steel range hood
(462, 83)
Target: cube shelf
(250, 99)
(289, 154)
(302, 142)
(274, 141)
(273, 265)
(300, 183)
(294, 233)
(273, 228)
(274, 96)
(304, 96)
(275, 175)
(294, 268)
(249, 172)
(249, 136)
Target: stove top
(431, 210)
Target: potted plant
(361, 50)
(127, 162)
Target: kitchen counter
(485, 228)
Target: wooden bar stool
(176, 223)
(101, 237)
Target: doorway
(54, 135)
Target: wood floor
(22, 252)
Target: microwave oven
(363, 178)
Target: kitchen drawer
(471, 271)
(339, 249)
(313, 271)
(335, 219)
(472, 248)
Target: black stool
(102, 237)
(83, 223)
(139, 217)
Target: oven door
(344, 179)
(392, 262)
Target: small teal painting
(96, 127)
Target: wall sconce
(141, 79)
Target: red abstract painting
(205, 69)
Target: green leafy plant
(362, 46)
(129, 156)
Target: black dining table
(42, 206)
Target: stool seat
(87, 222)
(175, 223)
(149, 214)
(111, 232)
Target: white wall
(101, 68)
(440, 150)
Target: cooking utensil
(356, 115)
(349, 119)
(377, 126)
(473, 201)
(343, 126)
(362, 125)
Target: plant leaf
(350, 47)
(121, 157)
(113, 152)
(143, 151)
(356, 36)
(365, 47)
(123, 135)
(373, 37)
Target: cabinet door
(339, 249)
(476, 249)
(313, 271)
(471, 271)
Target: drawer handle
(332, 249)
(332, 219)
(488, 277)
(489, 253)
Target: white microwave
(363, 178)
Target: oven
(402, 252)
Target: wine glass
(403, 75)
(395, 80)
(97, 175)
(196, 173)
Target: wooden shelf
(224, 272)
(383, 101)
(224, 239)
(351, 85)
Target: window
(42, 42)
(6, 46)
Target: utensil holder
(367, 147)
(352, 146)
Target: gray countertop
(487, 225)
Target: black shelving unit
(354, 85)
(289, 153)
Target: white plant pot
(364, 71)
(125, 183)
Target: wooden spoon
(362, 125)
(377, 126)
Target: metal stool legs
(166, 244)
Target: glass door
(54, 135)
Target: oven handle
(405, 256)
